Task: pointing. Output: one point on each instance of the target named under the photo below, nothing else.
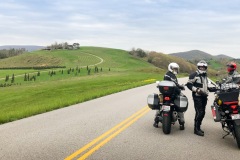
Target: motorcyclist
(233, 75)
(173, 69)
(198, 84)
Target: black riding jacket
(169, 76)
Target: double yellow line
(110, 134)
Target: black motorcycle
(168, 103)
(226, 109)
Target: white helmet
(201, 64)
(173, 67)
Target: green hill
(71, 58)
(90, 72)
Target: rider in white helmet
(173, 70)
(202, 67)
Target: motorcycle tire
(237, 134)
(166, 122)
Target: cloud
(7, 5)
(162, 25)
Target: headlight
(219, 102)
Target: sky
(166, 26)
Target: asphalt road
(75, 132)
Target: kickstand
(227, 132)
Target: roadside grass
(26, 100)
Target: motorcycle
(226, 109)
(168, 104)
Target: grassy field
(119, 71)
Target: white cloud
(162, 25)
(6, 5)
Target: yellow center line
(104, 135)
(86, 155)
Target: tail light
(166, 98)
(214, 112)
(165, 114)
(165, 88)
(234, 108)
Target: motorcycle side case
(215, 113)
(181, 103)
(153, 101)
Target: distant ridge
(198, 55)
(27, 47)
(223, 56)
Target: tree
(13, 78)
(25, 77)
(139, 52)
(7, 78)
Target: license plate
(235, 116)
(166, 108)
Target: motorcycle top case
(229, 96)
(153, 101)
(181, 102)
(166, 87)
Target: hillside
(162, 60)
(223, 56)
(196, 55)
(193, 55)
(71, 58)
(217, 63)
(83, 57)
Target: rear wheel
(166, 122)
(237, 133)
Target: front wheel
(237, 133)
(166, 122)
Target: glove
(200, 92)
(212, 89)
(182, 87)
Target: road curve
(61, 133)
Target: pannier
(181, 103)
(216, 113)
(153, 101)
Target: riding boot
(181, 120)
(155, 124)
(182, 127)
(197, 130)
(156, 121)
(201, 130)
